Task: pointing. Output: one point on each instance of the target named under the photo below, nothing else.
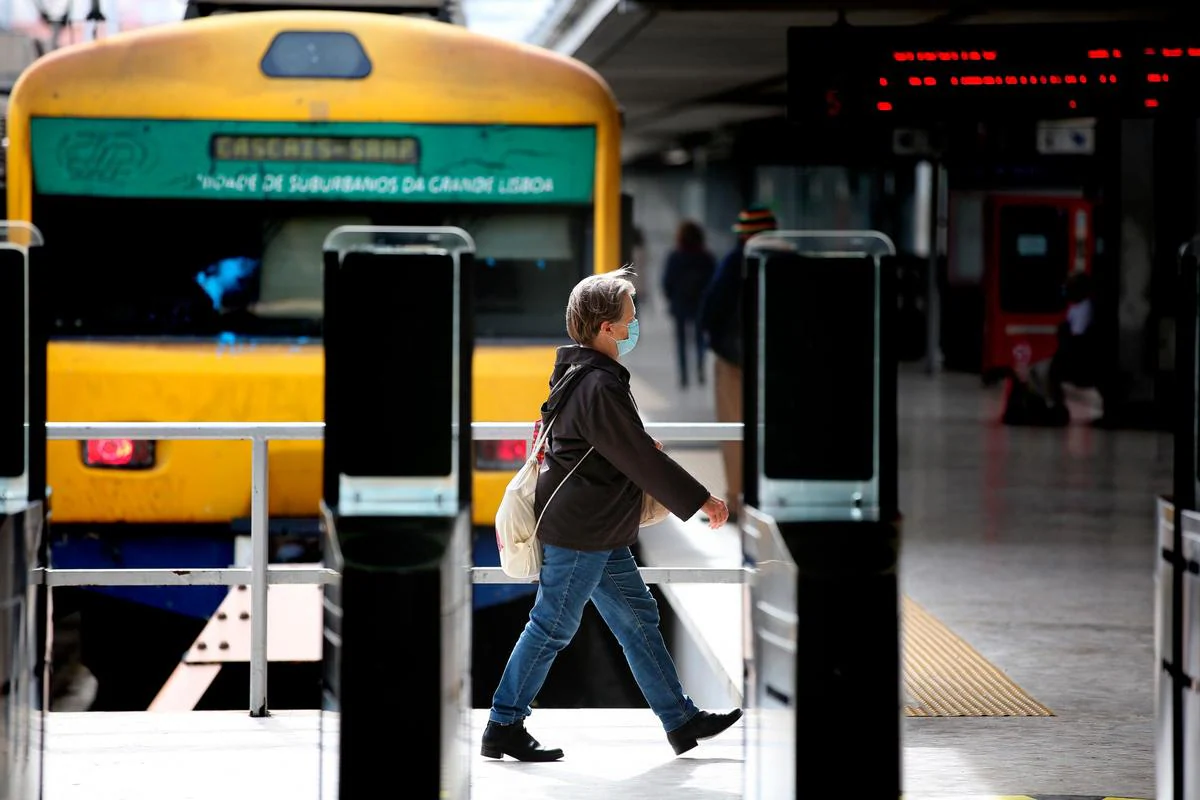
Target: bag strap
(538, 524)
(540, 441)
(560, 391)
(558, 394)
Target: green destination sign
(380, 161)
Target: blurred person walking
(721, 322)
(689, 269)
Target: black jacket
(687, 275)
(599, 507)
(721, 307)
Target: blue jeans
(610, 579)
(685, 325)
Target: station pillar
(396, 513)
(821, 525)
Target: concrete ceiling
(682, 70)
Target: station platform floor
(611, 754)
(1027, 552)
(1027, 558)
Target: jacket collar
(587, 356)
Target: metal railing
(260, 575)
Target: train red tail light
(118, 453)
(508, 454)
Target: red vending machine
(1033, 243)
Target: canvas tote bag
(653, 512)
(516, 524)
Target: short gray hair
(598, 299)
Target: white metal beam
(187, 684)
(315, 431)
(205, 576)
(279, 575)
(649, 575)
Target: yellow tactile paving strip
(946, 677)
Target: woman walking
(599, 464)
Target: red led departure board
(960, 72)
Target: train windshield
(254, 269)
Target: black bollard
(24, 606)
(396, 513)
(822, 520)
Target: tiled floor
(1036, 546)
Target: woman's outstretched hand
(716, 510)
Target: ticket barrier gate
(1177, 565)
(821, 521)
(24, 604)
(396, 513)
(1183, 763)
(1190, 647)
(1177, 642)
(23, 644)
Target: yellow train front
(184, 178)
